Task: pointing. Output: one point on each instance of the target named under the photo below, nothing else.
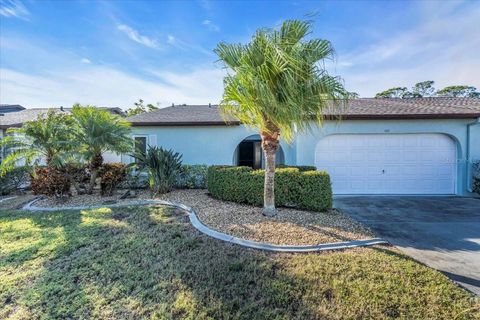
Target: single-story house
(372, 146)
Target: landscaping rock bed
(289, 227)
(91, 200)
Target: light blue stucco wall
(205, 144)
(456, 129)
(216, 144)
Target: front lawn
(150, 263)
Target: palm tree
(98, 131)
(278, 84)
(48, 137)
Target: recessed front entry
(249, 153)
(388, 163)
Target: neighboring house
(7, 108)
(380, 146)
(15, 119)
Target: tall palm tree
(278, 84)
(98, 131)
(47, 137)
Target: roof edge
(184, 124)
(424, 116)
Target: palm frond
(278, 79)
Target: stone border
(197, 224)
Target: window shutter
(152, 140)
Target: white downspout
(469, 177)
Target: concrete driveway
(441, 232)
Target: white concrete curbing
(8, 198)
(197, 224)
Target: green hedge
(301, 168)
(476, 176)
(309, 190)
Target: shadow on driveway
(442, 232)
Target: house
(7, 108)
(372, 146)
(13, 116)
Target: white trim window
(141, 143)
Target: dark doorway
(249, 154)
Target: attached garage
(369, 146)
(389, 163)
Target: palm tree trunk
(93, 178)
(270, 146)
(95, 163)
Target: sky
(112, 53)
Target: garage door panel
(389, 163)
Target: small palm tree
(98, 131)
(278, 86)
(47, 137)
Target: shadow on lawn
(150, 263)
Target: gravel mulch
(289, 227)
(90, 200)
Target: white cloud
(85, 60)
(182, 45)
(13, 8)
(210, 25)
(443, 48)
(104, 86)
(137, 37)
(171, 39)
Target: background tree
(98, 131)
(277, 85)
(353, 95)
(423, 89)
(140, 107)
(397, 92)
(459, 91)
(48, 137)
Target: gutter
(469, 178)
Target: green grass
(150, 263)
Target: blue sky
(111, 53)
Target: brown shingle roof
(182, 116)
(16, 119)
(365, 108)
(414, 108)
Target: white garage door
(388, 163)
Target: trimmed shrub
(301, 168)
(309, 190)
(192, 177)
(111, 175)
(14, 180)
(476, 176)
(50, 182)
